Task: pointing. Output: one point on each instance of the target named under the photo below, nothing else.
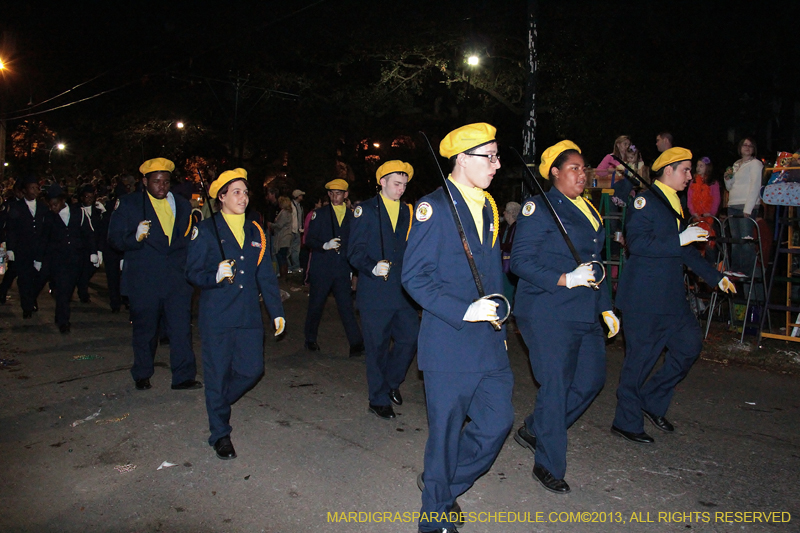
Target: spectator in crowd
(297, 230)
(609, 163)
(507, 230)
(664, 141)
(282, 227)
(743, 182)
(703, 199)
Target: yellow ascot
(581, 203)
(672, 196)
(340, 210)
(475, 200)
(236, 223)
(165, 215)
(393, 208)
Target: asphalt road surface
(80, 448)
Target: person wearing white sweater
(743, 182)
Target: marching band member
(377, 243)
(558, 310)
(225, 261)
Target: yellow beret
(159, 164)
(466, 138)
(550, 155)
(337, 185)
(394, 166)
(673, 155)
(226, 177)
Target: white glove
(95, 260)
(612, 322)
(99, 258)
(37, 265)
(280, 325)
(481, 311)
(100, 207)
(580, 277)
(10, 255)
(332, 244)
(224, 270)
(726, 285)
(143, 230)
(121, 262)
(381, 269)
(693, 234)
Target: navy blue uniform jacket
(652, 280)
(232, 305)
(154, 264)
(540, 255)
(72, 242)
(26, 234)
(320, 230)
(364, 252)
(437, 275)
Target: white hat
(297, 192)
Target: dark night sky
(701, 69)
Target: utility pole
(529, 129)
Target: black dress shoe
(64, 328)
(543, 476)
(27, 314)
(382, 411)
(525, 439)
(163, 341)
(224, 449)
(357, 349)
(189, 384)
(638, 438)
(395, 396)
(312, 346)
(659, 421)
(143, 384)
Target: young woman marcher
(230, 313)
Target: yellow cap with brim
(226, 177)
(673, 155)
(159, 164)
(465, 138)
(390, 167)
(550, 155)
(337, 185)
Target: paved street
(81, 447)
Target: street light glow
(376, 145)
(473, 60)
(61, 146)
(2, 66)
(179, 125)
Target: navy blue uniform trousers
(468, 453)
(646, 335)
(387, 366)
(322, 283)
(147, 310)
(233, 362)
(64, 277)
(568, 360)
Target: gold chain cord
(263, 242)
(496, 217)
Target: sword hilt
(596, 284)
(498, 324)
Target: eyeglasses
(493, 158)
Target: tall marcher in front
(226, 261)
(652, 298)
(27, 228)
(463, 357)
(328, 236)
(111, 256)
(559, 308)
(152, 229)
(93, 215)
(377, 243)
(71, 241)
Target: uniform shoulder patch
(195, 232)
(640, 202)
(424, 211)
(313, 215)
(358, 211)
(528, 208)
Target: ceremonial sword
(650, 187)
(496, 324)
(594, 284)
(214, 223)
